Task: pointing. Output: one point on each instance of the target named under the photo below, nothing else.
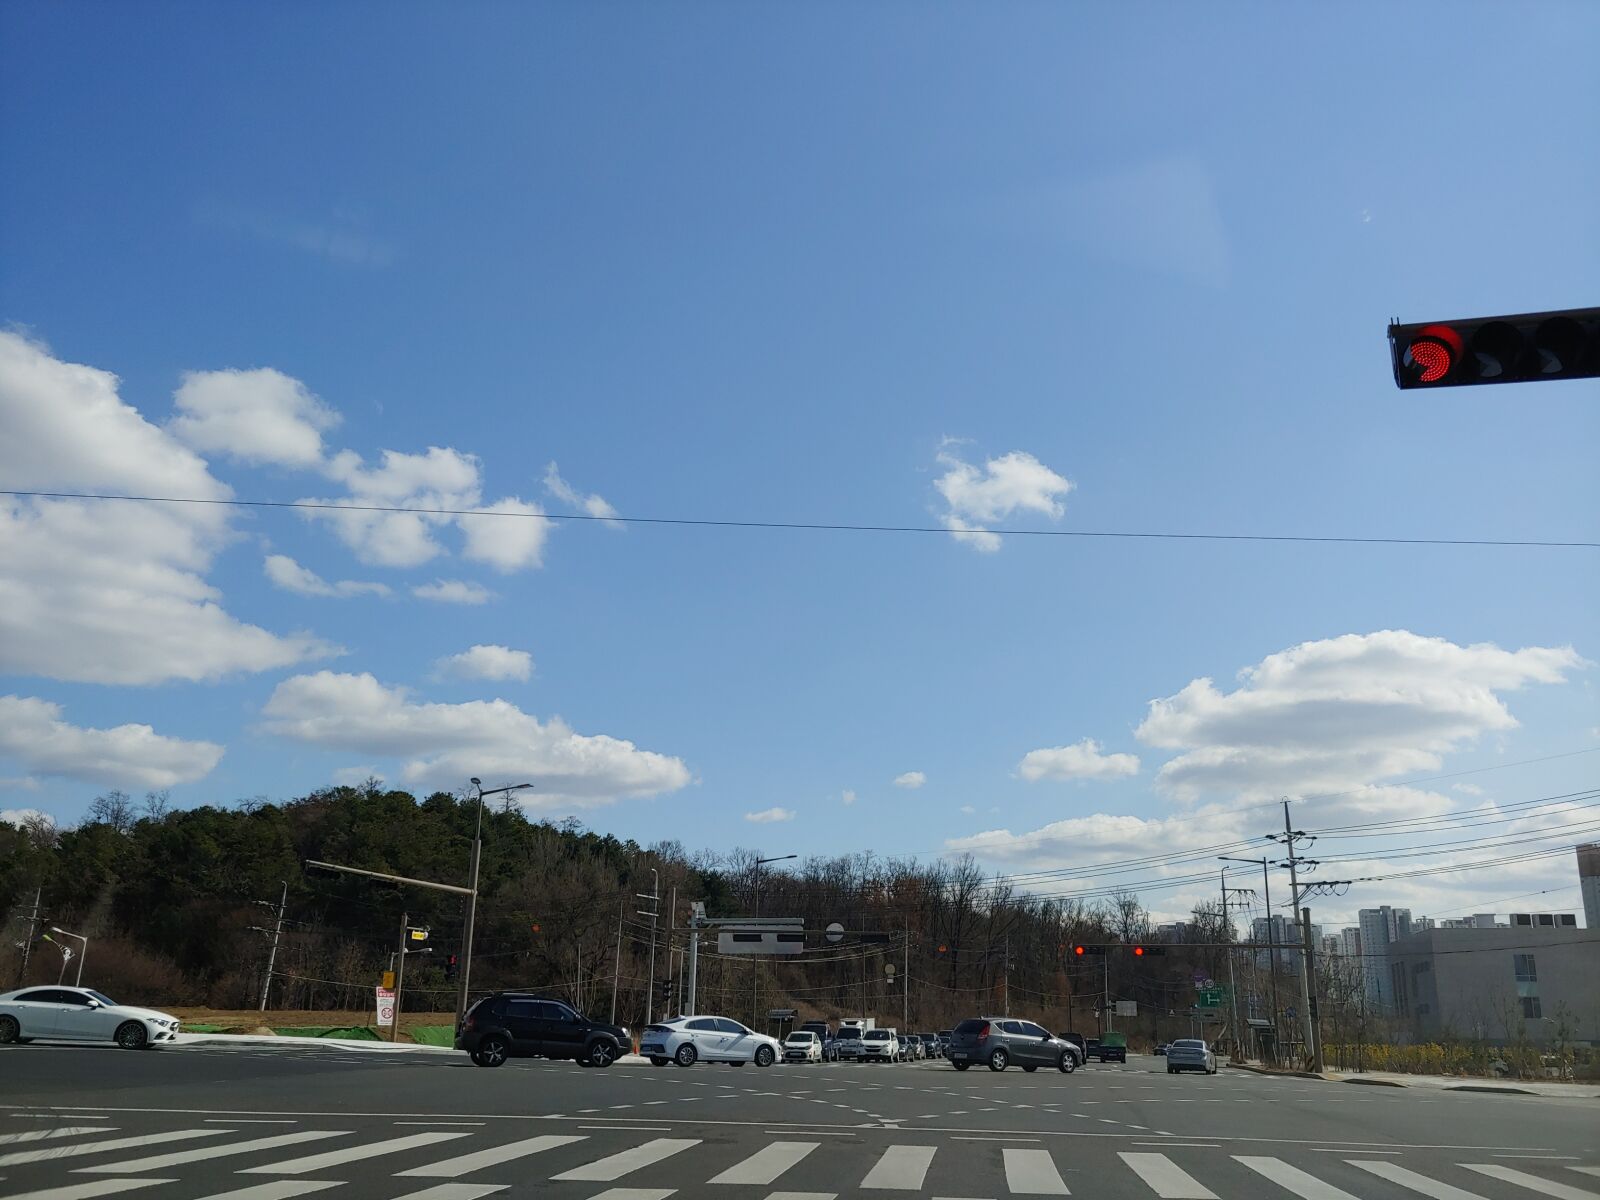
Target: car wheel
(658, 1061)
(764, 1056)
(736, 1064)
(960, 1066)
(10, 1030)
(1030, 1070)
(999, 1060)
(131, 1035)
(686, 1055)
(601, 1053)
(492, 1052)
(1068, 1062)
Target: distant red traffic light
(1078, 950)
(1432, 353)
(1138, 951)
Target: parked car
(944, 1042)
(1109, 1047)
(1190, 1054)
(1078, 1040)
(847, 1043)
(830, 1049)
(688, 1040)
(930, 1045)
(880, 1045)
(1161, 1050)
(802, 1046)
(517, 1025)
(998, 1042)
(910, 1048)
(74, 1014)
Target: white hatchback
(688, 1040)
(802, 1046)
(74, 1014)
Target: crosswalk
(217, 1162)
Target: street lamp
(82, 953)
(755, 963)
(1266, 883)
(472, 895)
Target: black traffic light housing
(1515, 349)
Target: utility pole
(1233, 953)
(400, 978)
(1005, 974)
(655, 911)
(697, 916)
(33, 926)
(905, 982)
(1313, 1048)
(616, 970)
(277, 932)
(1272, 938)
(672, 916)
(472, 900)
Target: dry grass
(234, 1020)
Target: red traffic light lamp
(1512, 349)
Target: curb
(1495, 1091)
(285, 1041)
(1382, 1083)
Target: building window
(1522, 964)
(1531, 1009)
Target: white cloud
(1467, 789)
(1340, 714)
(847, 797)
(487, 662)
(355, 776)
(1081, 760)
(33, 734)
(344, 242)
(442, 745)
(453, 591)
(768, 816)
(259, 416)
(594, 505)
(21, 816)
(911, 779)
(111, 591)
(968, 809)
(510, 536)
(980, 496)
(441, 478)
(289, 575)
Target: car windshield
(875, 1035)
(801, 1038)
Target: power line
(819, 526)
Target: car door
(707, 1038)
(525, 1021)
(1042, 1045)
(75, 1017)
(1016, 1043)
(565, 1030)
(36, 1012)
(738, 1043)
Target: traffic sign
(835, 932)
(385, 997)
(888, 969)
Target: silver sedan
(1190, 1054)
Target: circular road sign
(888, 969)
(835, 932)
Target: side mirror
(93, 1003)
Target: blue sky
(802, 263)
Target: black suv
(515, 1025)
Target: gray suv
(1000, 1042)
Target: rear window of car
(1189, 1044)
(972, 1025)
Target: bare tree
(113, 808)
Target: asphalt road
(276, 1123)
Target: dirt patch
(250, 1021)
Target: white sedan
(688, 1040)
(73, 1014)
(802, 1046)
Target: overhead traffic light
(1082, 951)
(1149, 951)
(1512, 349)
(451, 964)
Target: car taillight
(984, 1032)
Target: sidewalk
(1441, 1083)
(290, 1042)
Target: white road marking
(1032, 1173)
(60, 1131)
(767, 1163)
(17, 1157)
(1533, 1183)
(450, 1191)
(279, 1189)
(178, 1157)
(1166, 1178)
(902, 1168)
(1395, 1173)
(615, 1166)
(249, 1121)
(84, 1191)
(1307, 1187)
(452, 1168)
(802, 1196)
(1586, 1170)
(337, 1158)
(635, 1194)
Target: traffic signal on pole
(1082, 950)
(1150, 951)
(664, 992)
(1512, 349)
(451, 964)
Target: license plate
(958, 1054)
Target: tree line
(178, 905)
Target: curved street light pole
(472, 896)
(82, 953)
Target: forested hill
(169, 898)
